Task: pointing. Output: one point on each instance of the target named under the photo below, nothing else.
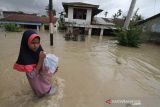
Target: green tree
(105, 14)
(61, 21)
(137, 17)
(118, 14)
(43, 16)
(130, 37)
(12, 28)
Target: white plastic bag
(51, 62)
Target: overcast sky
(147, 9)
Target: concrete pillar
(70, 13)
(37, 28)
(1, 14)
(130, 12)
(101, 34)
(70, 29)
(42, 28)
(88, 17)
(90, 32)
(55, 27)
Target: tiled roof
(8, 13)
(116, 21)
(119, 21)
(27, 18)
(101, 21)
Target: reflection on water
(92, 72)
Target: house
(31, 21)
(9, 13)
(82, 15)
(151, 28)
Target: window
(79, 13)
(156, 27)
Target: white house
(81, 15)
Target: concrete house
(25, 20)
(151, 28)
(82, 15)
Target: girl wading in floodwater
(30, 60)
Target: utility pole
(130, 12)
(51, 22)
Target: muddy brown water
(90, 73)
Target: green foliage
(118, 14)
(43, 16)
(130, 37)
(61, 22)
(12, 28)
(1, 26)
(61, 25)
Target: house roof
(8, 13)
(27, 18)
(101, 21)
(108, 20)
(79, 4)
(119, 21)
(116, 21)
(150, 18)
(84, 5)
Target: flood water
(90, 73)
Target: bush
(61, 25)
(1, 26)
(12, 28)
(129, 37)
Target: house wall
(152, 25)
(151, 30)
(86, 21)
(70, 13)
(1, 14)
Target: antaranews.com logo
(123, 101)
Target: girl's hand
(56, 69)
(42, 55)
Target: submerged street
(90, 72)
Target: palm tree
(105, 14)
(119, 13)
(61, 20)
(115, 16)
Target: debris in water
(121, 60)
